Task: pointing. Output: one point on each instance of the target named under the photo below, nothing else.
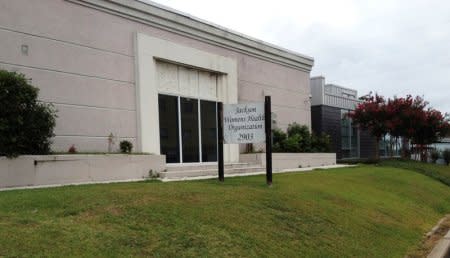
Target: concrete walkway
(309, 169)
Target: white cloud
(392, 47)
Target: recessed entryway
(192, 76)
(187, 103)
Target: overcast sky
(386, 46)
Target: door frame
(149, 50)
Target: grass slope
(364, 211)
(438, 172)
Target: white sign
(243, 123)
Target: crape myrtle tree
(405, 115)
(434, 126)
(26, 125)
(371, 115)
(407, 118)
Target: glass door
(190, 130)
(209, 130)
(169, 128)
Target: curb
(441, 250)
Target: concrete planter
(36, 170)
(281, 161)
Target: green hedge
(299, 139)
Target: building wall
(328, 120)
(83, 61)
(317, 90)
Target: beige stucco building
(145, 73)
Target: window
(349, 137)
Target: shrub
(295, 128)
(126, 146)
(355, 161)
(291, 144)
(279, 136)
(434, 155)
(446, 156)
(278, 140)
(72, 149)
(321, 143)
(26, 125)
(304, 137)
(299, 139)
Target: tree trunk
(377, 148)
(391, 147)
(405, 148)
(423, 153)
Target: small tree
(435, 126)
(405, 115)
(372, 115)
(26, 125)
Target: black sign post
(268, 125)
(220, 140)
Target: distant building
(330, 105)
(443, 144)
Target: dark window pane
(168, 128)
(189, 130)
(209, 130)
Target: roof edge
(174, 21)
(339, 86)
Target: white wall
(75, 169)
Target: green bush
(355, 161)
(301, 130)
(279, 136)
(291, 144)
(299, 139)
(321, 143)
(301, 133)
(278, 140)
(446, 156)
(126, 146)
(26, 125)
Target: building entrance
(188, 129)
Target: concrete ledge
(284, 171)
(442, 249)
(282, 161)
(47, 170)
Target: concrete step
(194, 167)
(209, 172)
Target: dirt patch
(431, 239)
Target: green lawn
(438, 172)
(369, 211)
